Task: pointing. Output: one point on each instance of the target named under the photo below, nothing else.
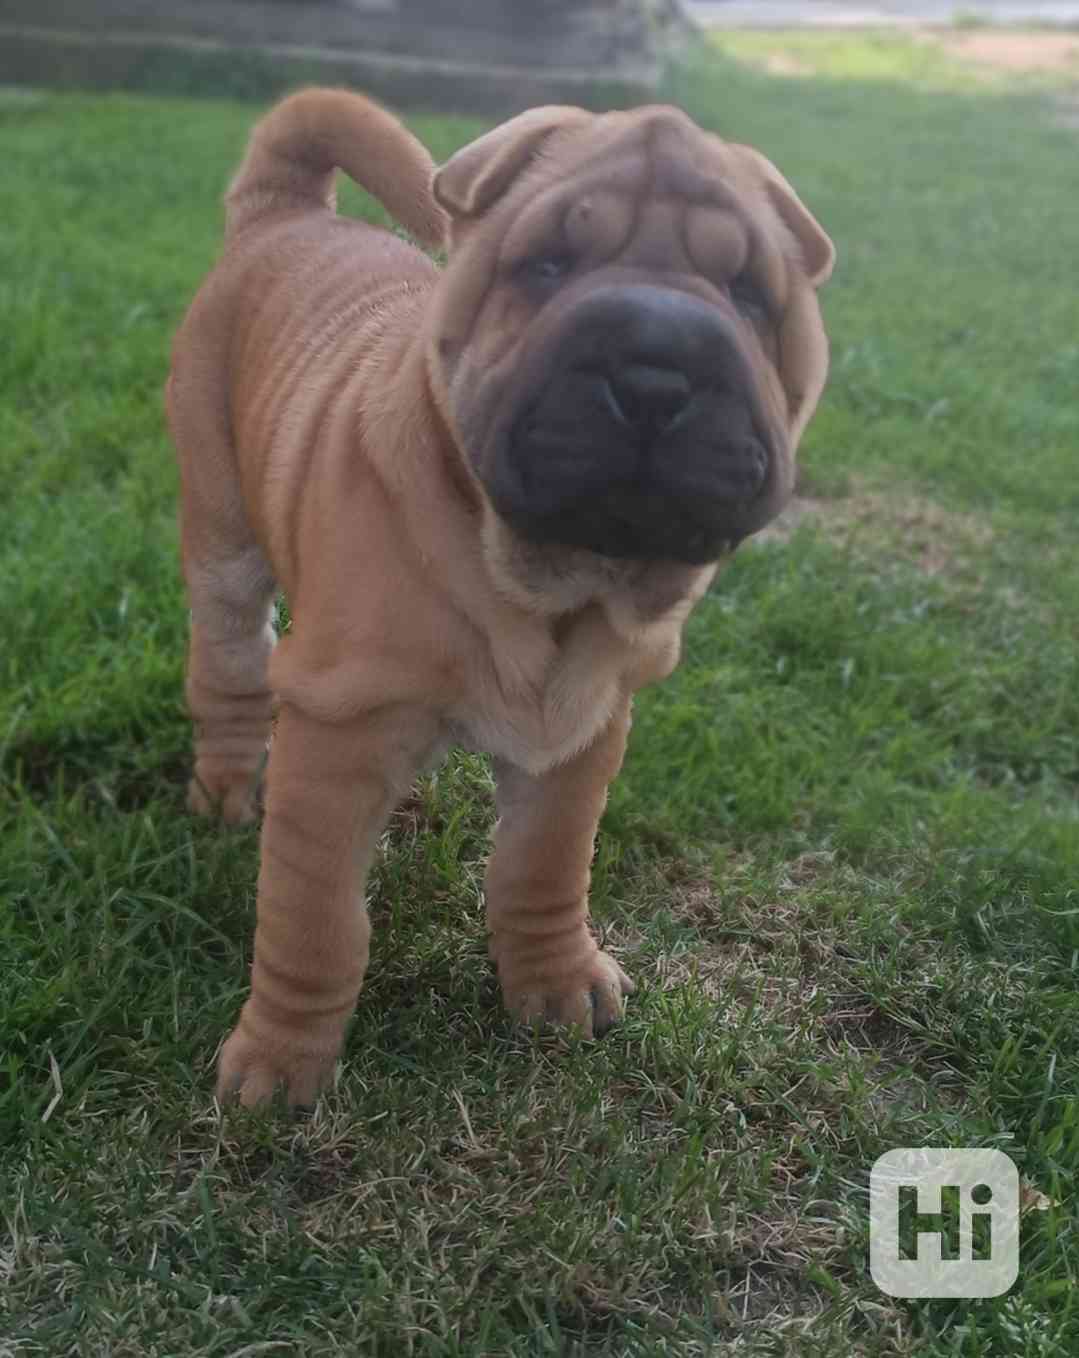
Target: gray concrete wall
(483, 55)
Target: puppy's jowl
(491, 493)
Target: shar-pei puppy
(492, 493)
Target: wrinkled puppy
(491, 494)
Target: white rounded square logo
(944, 1223)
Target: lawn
(842, 861)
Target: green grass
(842, 861)
(850, 55)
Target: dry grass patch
(882, 531)
(783, 64)
(900, 523)
(772, 951)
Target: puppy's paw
(252, 1069)
(591, 1000)
(229, 796)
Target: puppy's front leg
(550, 966)
(330, 790)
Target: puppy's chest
(540, 708)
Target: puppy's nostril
(648, 397)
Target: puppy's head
(626, 341)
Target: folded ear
(474, 177)
(818, 252)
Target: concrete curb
(839, 14)
(164, 63)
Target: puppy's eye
(749, 298)
(545, 269)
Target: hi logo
(943, 1223)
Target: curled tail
(298, 146)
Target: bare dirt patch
(1014, 51)
(783, 63)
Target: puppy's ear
(473, 178)
(818, 252)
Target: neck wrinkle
(412, 448)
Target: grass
(841, 862)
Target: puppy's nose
(647, 397)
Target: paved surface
(898, 13)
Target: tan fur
(319, 388)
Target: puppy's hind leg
(227, 687)
(230, 590)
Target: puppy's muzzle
(644, 435)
